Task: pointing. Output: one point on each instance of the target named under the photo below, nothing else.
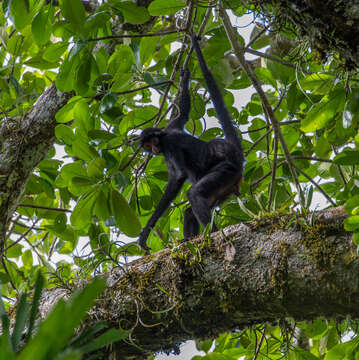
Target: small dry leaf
(230, 252)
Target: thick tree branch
(247, 274)
(25, 143)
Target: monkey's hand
(142, 240)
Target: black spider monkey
(213, 168)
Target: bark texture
(249, 273)
(24, 143)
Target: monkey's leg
(212, 189)
(190, 225)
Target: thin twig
(169, 82)
(254, 183)
(255, 38)
(311, 158)
(316, 185)
(258, 141)
(44, 207)
(339, 167)
(131, 159)
(274, 170)
(265, 127)
(109, 37)
(259, 344)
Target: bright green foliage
(90, 196)
(52, 339)
(277, 343)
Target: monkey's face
(152, 145)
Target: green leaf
(122, 81)
(147, 48)
(60, 222)
(316, 329)
(121, 60)
(125, 216)
(96, 21)
(41, 27)
(54, 51)
(108, 102)
(82, 213)
(101, 209)
(21, 318)
(74, 13)
(342, 351)
(38, 62)
(266, 76)
(100, 135)
(66, 113)
(20, 10)
(132, 13)
(109, 337)
(64, 133)
(324, 111)
(82, 116)
(165, 7)
(27, 258)
(262, 41)
(59, 326)
(66, 77)
(318, 83)
(351, 204)
(356, 238)
(83, 75)
(281, 72)
(347, 157)
(14, 251)
(39, 284)
(79, 185)
(96, 167)
(71, 170)
(352, 223)
(83, 150)
(301, 354)
(295, 98)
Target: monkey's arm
(172, 189)
(176, 179)
(178, 120)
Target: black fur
(213, 168)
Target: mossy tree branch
(250, 273)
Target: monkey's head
(150, 140)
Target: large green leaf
(347, 157)
(82, 213)
(41, 27)
(165, 7)
(147, 48)
(83, 150)
(74, 13)
(352, 223)
(319, 83)
(323, 112)
(125, 216)
(20, 9)
(121, 60)
(132, 13)
(60, 325)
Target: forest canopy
(79, 80)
